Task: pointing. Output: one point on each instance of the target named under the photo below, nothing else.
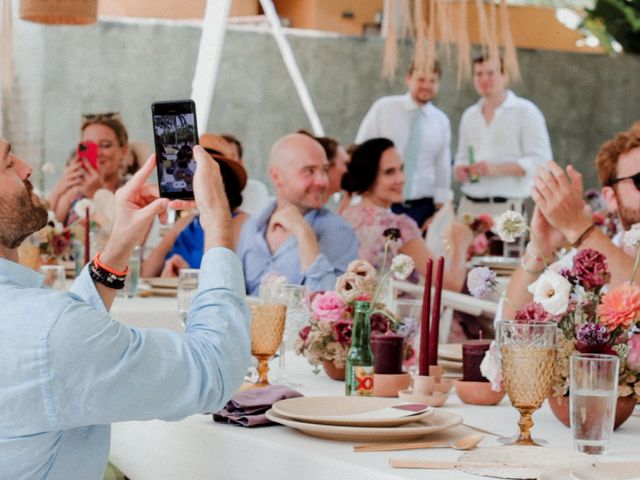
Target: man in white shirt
(422, 134)
(502, 140)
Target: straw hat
(222, 151)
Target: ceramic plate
(450, 351)
(162, 282)
(608, 471)
(347, 411)
(440, 420)
(500, 263)
(450, 366)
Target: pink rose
(328, 306)
(633, 358)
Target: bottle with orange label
(359, 370)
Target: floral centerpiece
(54, 240)
(482, 234)
(327, 337)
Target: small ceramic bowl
(443, 386)
(478, 393)
(435, 400)
(388, 385)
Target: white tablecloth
(196, 448)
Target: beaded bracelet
(106, 275)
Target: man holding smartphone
(69, 370)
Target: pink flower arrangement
(329, 306)
(620, 308)
(481, 228)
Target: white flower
(510, 225)
(347, 286)
(51, 217)
(565, 262)
(80, 208)
(490, 368)
(551, 290)
(632, 236)
(363, 269)
(402, 266)
(480, 281)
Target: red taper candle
(423, 362)
(87, 237)
(435, 315)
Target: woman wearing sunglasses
(105, 135)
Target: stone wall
(124, 67)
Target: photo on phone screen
(175, 134)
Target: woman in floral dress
(376, 173)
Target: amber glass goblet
(528, 352)
(267, 327)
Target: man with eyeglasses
(560, 216)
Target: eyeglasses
(635, 177)
(92, 117)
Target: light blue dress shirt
(337, 241)
(68, 370)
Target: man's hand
(91, 181)
(461, 173)
(559, 198)
(173, 266)
(290, 219)
(482, 168)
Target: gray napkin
(247, 409)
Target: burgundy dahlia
(304, 333)
(379, 323)
(532, 311)
(593, 338)
(590, 268)
(342, 331)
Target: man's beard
(20, 217)
(628, 216)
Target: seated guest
(80, 179)
(560, 217)
(376, 173)
(69, 370)
(183, 245)
(295, 236)
(338, 159)
(255, 196)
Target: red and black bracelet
(107, 276)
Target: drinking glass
(54, 277)
(527, 353)
(187, 288)
(409, 311)
(593, 393)
(296, 299)
(130, 289)
(267, 327)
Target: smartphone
(88, 152)
(175, 133)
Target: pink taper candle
(435, 316)
(423, 365)
(87, 239)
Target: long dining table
(197, 448)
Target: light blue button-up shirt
(67, 370)
(337, 241)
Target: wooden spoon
(464, 443)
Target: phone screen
(175, 134)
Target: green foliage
(616, 20)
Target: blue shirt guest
(69, 370)
(295, 236)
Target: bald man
(295, 236)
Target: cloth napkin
(247, 409)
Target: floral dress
(369, 222)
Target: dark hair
(231, 185)
(437, 69)
(231, 139)
(481, 58)
(329, 144)
(363, 167)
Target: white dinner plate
(162, 282)
(496, 262)
(608, 471)
(348, 411)
(440, 420)
(450, 366)
(450, 351)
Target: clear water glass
(54, 277)
(130, 289)
(409, 313)
(187, 288)
(593, 393)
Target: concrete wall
(126, 66)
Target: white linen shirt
(391, 117)
(517, 133)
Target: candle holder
(478, 393)
(424, 391)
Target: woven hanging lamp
(59, 12)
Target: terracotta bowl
(478, 393)
(388, 385)
(443, 386)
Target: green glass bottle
(359, 371)
(473, 177)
